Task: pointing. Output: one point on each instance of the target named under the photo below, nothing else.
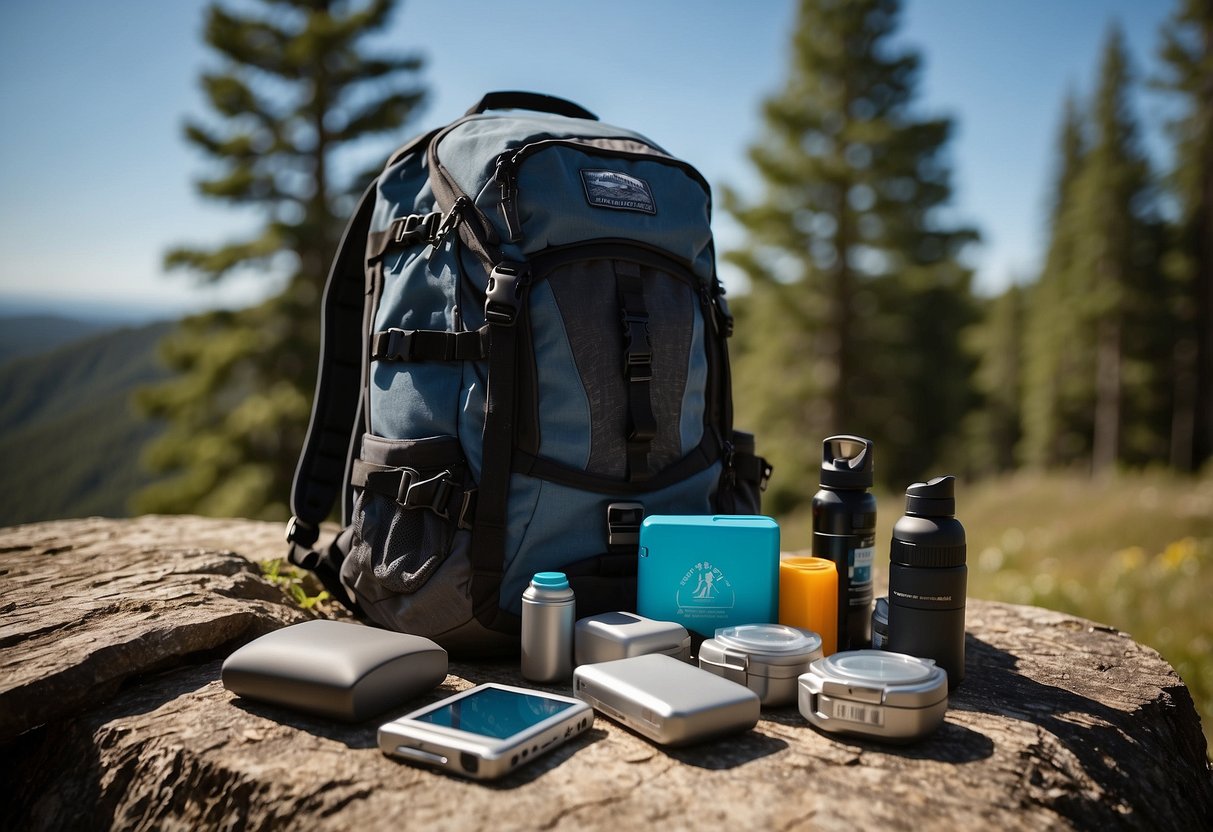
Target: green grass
(1134, 551)
(301, 586)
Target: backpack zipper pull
(730, 468)
(506, 176)
(450, 221)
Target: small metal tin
(621, 635)
(875, 693)
(880, 624)
(766, 658)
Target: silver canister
(766, 658)
(875, 693)
(548, 613)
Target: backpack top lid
(540, 180)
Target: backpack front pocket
(410, 498)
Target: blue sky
(96, 180)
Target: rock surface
(112, 715)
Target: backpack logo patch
(612, 189)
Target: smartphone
(487, 731)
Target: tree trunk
(1202, 449)
(1105, 445)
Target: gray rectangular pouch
(335, 669)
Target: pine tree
(856, 302)
(1187, 50)
(995, 425)
(1116, 296)
(294, 90)
(1058, 364)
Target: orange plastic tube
(808, 598)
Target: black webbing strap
(429, 345)
(637, 368)
(701, 457)
(321, 473)
(442, 494)
(751, 468)
(326, 565)
(505, 303)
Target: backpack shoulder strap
(336, 424)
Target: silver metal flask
(548, 615)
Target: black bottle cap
(934, 498)
(846, 462)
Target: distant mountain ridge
(32, 334)
(70, 440)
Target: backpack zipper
(506, 176)
(481, 231)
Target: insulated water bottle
(928, 578)
(844, 531)
(548, 613)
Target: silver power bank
(618, 635)
(668, 701)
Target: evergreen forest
(859, 315)
(1101, 362)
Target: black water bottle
(928, 578)
(844, 531)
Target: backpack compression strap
(505, 304)
(334, 430)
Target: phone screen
(493, 712)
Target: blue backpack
(524, 335)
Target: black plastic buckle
(393, 345)
(623, 524)
(721, 318)
(407, 227)
(416, 227)
(638, 349)
(434, 494)
(467, 510)
(722, 308)
(638, 370)
(643, 433)
(503, 296)
(407, 477)
(301, 533)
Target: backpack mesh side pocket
(408, 497)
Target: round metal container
(875, 693)
(766, 658)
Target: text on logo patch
(612, 189)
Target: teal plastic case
(709, 571)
